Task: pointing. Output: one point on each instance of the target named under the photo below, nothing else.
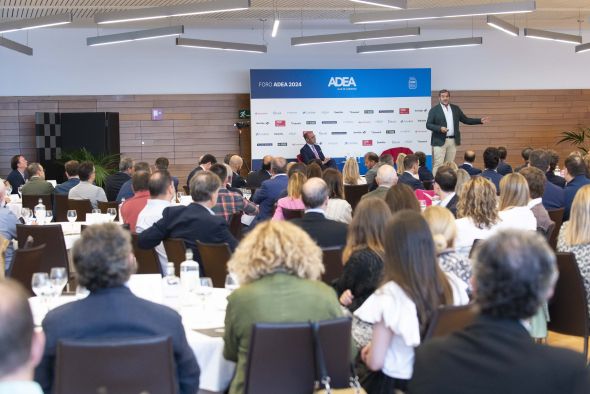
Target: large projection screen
(351, 112)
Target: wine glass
(20, 191)
(204, 289)
(72, 215)
(179, 195)
(8, 189)
(231, 282)
(58, 278)
(41, 287)
(26, 213)
(112, 212)
(48, 216)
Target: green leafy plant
(577, 137)
(104, 165)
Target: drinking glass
(26, 213)
(204, 289)
(48, 217)
(112, 212)
(422, 204)
(41, 287)
(58, 278)
(96, 210)
(8, 189)
(179, 195)
(20, 191)
(72, 215)
(231, 282)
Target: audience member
(400, 310)
(195, 222)
(293, 199)
(444, 231)
(410, 174)
(86, 190)
(515, 273)
(116, 180)
(229, 202)
(491, 158)
(71, 170)
(503, 167)
(278, 267)
(513, 204)
(227, 157)
(551, 176)
(386, 178)
(255, 178)
(104, 262)
(386, 158)
(371, 161)
(400, 197)
(445, 182)
(22, 346)
(126, 190)
(312, 151)
(18, 176)
(452, 165)
(399, 164)
(525, 156)
(161, 188)
(424, 172)
(351, 174)
(162, 164)
(363, 254)
(297, 167)
(462, 178)
(553, 196)
(36, 184)
(270, 191)
(575, 176)
(469, 159)
(236, 163)
(314, 170)
(338, 208)
(536, 183)
(132, 207)
(325, 232)
(205, 162)
(8, 222)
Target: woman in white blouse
(351, 173)
(513, 204)
(400, 310)
(338, 208)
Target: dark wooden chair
(214, 258)
(235, 224)
(104, 205)
(50, 235)
(176, 252)
(353, 193)
(473, 247)
(448, 319)
(29, 201)
(144, 365)
(547, 233)
(289, 214)
(147, 259)
(557, 216)
(61, 207)
(568, 309)
(25, 263)
(332, 259)
(82, 207)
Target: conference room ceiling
(300, 14)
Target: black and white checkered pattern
(48, 135)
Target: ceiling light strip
(583, 48)
(275, 27)
(171, 11)
(15, 46)
(135, 35)
(444, 12)
(501, 25)
(221, 45)
(396, 4)
(355, 36)
(411, 46)
(36, 23)
(552, 36)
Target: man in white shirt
(444, 187)
(161, 189)
(86, 190)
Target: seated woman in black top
(363, 254)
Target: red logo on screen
(404, 111)
(280, 123)
(367, 142)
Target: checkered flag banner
(48, 135)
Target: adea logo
(280, 123)
(367, 142)
(341, 82)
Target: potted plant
(577, 137)
(104, 165)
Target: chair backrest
(268, 371)
(547, 233)
(289, 214)
(56, 254)
(568, 309)
(235, 224)
(332, 259)
(475, 242)
(557, 216)
(353, 194)
(176, 252)
(214, 258)
(29, 201)
(25, 263)
(133, 366)
(61, 207)
(147, 259)
(82, 207)
(104, 205)
(448, 319)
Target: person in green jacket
(37, 184)
(278, 266)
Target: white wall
(63, 65)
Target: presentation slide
(351, 112)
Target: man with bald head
(271, 190)
(236, 163)
(386, 178)
(325, 232)
(255, 178)
(469, 158)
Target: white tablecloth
(15, 207)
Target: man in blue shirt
(8, 222)
(72, 175)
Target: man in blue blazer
(271, 190)
(73, 178)
(194, 222)
(409, 177)
(553, 196)
(469, 159)
(104, 262)
(18, 176)
(443, 120)
(311, 151)
(491, 158)
(575, 176)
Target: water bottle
(40, 212)
(120, 214)
(189, 273)
(171, 288)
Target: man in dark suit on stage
(410, 175)
(311, 151)
(271, 190)
(104, 262)
(491, 158)
(255, 178)
(469, 159)
(515, 273)
(194, 222)
(323, 231)
(443, 120)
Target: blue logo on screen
(412, 83)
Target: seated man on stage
(311, 151)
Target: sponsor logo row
(363, 143)
(401, 111)
(283, 123)
(391, 131)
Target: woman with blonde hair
(399, 163)
(452, 164)
(513, 204)
(351, 174)
(293, 199)
(363, 253)
(444, 231)
(278, 267)
(462, 178)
